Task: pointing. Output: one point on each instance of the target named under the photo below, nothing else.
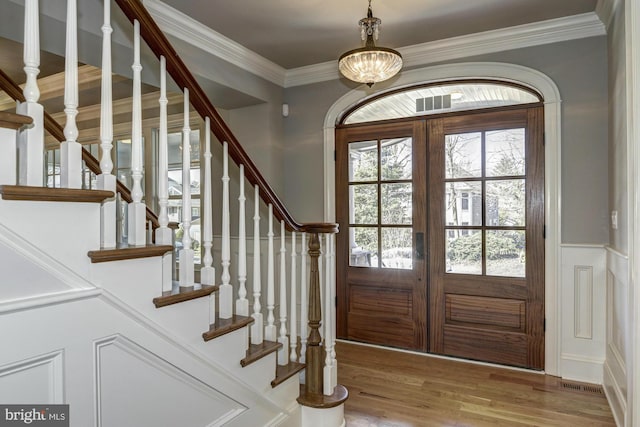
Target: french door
(441, 246)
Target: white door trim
(499, 71)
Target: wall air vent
(438, 102)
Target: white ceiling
(296, 33)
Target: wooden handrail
(15, 91)
(159, 44)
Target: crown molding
(521, 36)
(606, 9)
(185, 28)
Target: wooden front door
(441, 246)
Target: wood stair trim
(258, 351)
(224, 326)
(284, 372)
(321, 401)
(133, 252)
(183, 294)
(13, 121)
(45, 194)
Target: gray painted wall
(578, 67)
(618, 197)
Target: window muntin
(381, 203)
(485, 203)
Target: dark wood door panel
(507, 348)
(382, 302)
(378, 329)
(491, 313)
(489, 286)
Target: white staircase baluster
(270, 328)
(304, 303)
(242, 303)
(106, 180)
(257, 331)
(226, 290)
(332, 286)
(70, 149)
(293, 316)
(137, 210)
(328, 320)
(164, 235)
(207, 272)
(283, 353)
(186, 255)
(30, 141)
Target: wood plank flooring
(395, 389)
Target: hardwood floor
(396, 389)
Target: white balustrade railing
(291, 286)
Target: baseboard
(614, 395)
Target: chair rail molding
(552, 124)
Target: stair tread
(45, 194)
(181, 294)
(258, 351)
(13, 121)
(224, 326)
(128, 252)
(284, 372)
(321, 401)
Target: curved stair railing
(317, 240)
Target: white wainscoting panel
(38, 379)
(137, 387)
(582, 296)
(617, 350)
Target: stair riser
(64, 231)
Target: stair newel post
(293, 329)
(226, 290)
(304, 305)
(31, 140)
(207, 272)
(137, 210)
(270, 328)
(242, 303)
(164, 235)
(314, 371)
(283, 353)
(186, 255)
(70, 149)
(328, 320)
(106, 180)
(257, 327)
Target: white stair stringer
(57, 356)
(137, 281)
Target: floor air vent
(582, 388)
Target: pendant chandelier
(370, 64)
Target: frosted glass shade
(370, 64)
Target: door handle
(420, 245)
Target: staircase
(121, 330)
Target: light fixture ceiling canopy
(370, 64)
